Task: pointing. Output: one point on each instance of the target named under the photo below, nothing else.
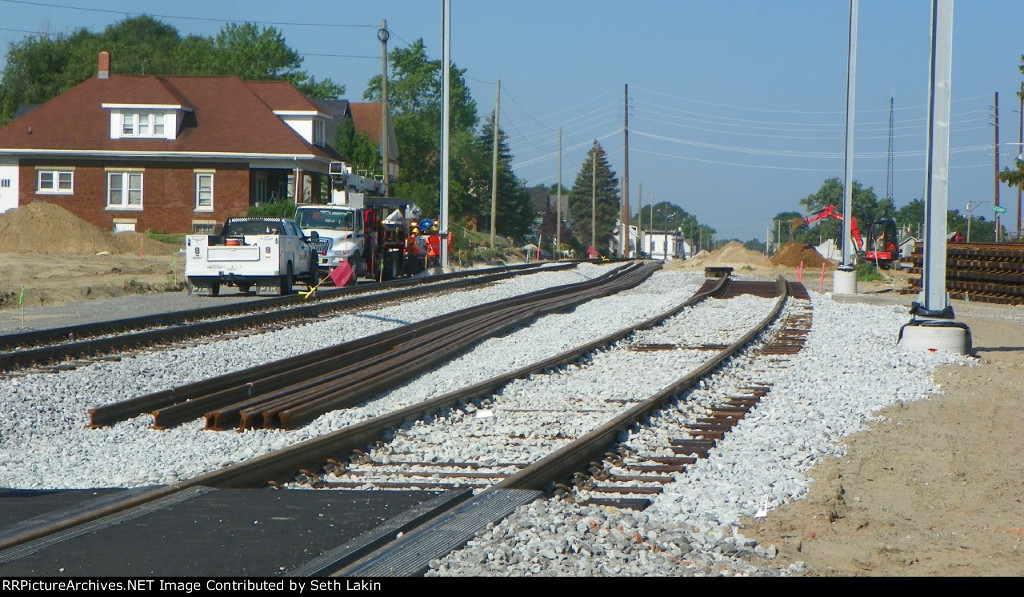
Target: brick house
(167, 153)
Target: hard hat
(426, 223)
(415, 230)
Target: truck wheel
(314, 272)
(244, 288)
(286, 280)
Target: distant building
(168, 153)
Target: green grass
(867, 272)
(164, 237)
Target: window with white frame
(142, 124)
(55, 181)
(124, 190)
(204, 191)
(319, 132)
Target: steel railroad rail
(410, 553)
(532, 482)
(275, 468)
(89, 340)
(334, 377)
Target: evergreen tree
(514, 210)
(595, 173)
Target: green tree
(513, 207)
(910, 217)
(788, 226)
(866, 209)
(754, 245)
(415, 94)
(261, 54)
(39, 68)
(595, 173)
(355, 148)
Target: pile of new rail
(292, 392)
(989, 273)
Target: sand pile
(733, 254)
(792, 254)
(48, 229)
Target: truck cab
(341, 235)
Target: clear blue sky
(737, 107)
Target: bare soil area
(934, 488)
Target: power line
(187, 18)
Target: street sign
(998, 209)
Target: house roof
(366, 118)
(223, 115)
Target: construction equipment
(881, 246)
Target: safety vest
(411, 246)
(434, 245)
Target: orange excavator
(881, 246)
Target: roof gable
(228, 115)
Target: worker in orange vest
(433, 247)
(412, 250)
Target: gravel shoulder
(934, 487)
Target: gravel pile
(849, 369)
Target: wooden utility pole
(385, 136)
(558, 199)
(494, 163)
(995, 200)
(640, 220)
(624, 244)
(1020, 155)
(593, 198)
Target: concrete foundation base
(845, 282)
(942, 336)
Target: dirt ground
(49, 280)
(933, 489)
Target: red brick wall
(168, 193)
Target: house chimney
(104, 66)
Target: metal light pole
(932, 326)
(446, 66)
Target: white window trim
(199, 174)
(125, 224)
(54, 188)
(142, 123)
(126, 176)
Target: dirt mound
(45, 228)
(792, 254)
(733, 254)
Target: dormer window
(311, 125)
(142, 121)
(142, 124)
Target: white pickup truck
(269, 254)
